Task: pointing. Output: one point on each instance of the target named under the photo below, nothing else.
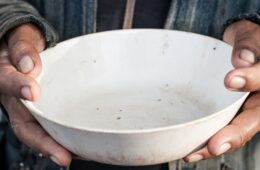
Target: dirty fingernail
(224, 148)
(26, 92)
(55, 160)
(247, 56)
(26, 64)
(195, 158)
(237, 82)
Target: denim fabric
(15, 12)
(72, 18)
(207, 17)
(254, 17)
(200, 16)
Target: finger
(199, 155)
(31, 133)
(246, 50)
(252, 101)
(13, 82)
(17, 84)
(25, 57)
(235, 135)
(25, 42)
(4, 54)
(243, 58)
(244, 79)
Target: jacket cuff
(17, 19)
(253, 17)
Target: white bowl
(135, 97)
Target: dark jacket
(72, 18)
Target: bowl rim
(30, 106)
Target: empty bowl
(135, 97)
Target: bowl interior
(135, 79)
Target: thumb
(25, 58)
(24, 44)
(244, 79)
(245, 52)
(245, 38)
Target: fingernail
(55, 160)
(26, 64)
(237, 82)
(224, 148)
(195, 157)
(26, 92)
(247, 56)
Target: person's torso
(75, 18)
(78, 17)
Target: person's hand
(244, 36)
(19, 66)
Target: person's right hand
(19, 66)
(244, 36)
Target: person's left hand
(245, 38)
(20, 64)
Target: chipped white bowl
(135, 97)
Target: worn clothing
(13, 13)
(72, 18)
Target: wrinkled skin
(17, 73)
(20, 64)
(244, 36)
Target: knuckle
(15, 125)
(30, 82)
(4, 100)
(9, 102)
(250, 43)
(241, 140)
(213, 152)
(6, 69)
(20, 47)
(4, 60)
(252, 82)
(4, 53)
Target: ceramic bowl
(135, 97)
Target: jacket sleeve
(253, 17)
(16, 12)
